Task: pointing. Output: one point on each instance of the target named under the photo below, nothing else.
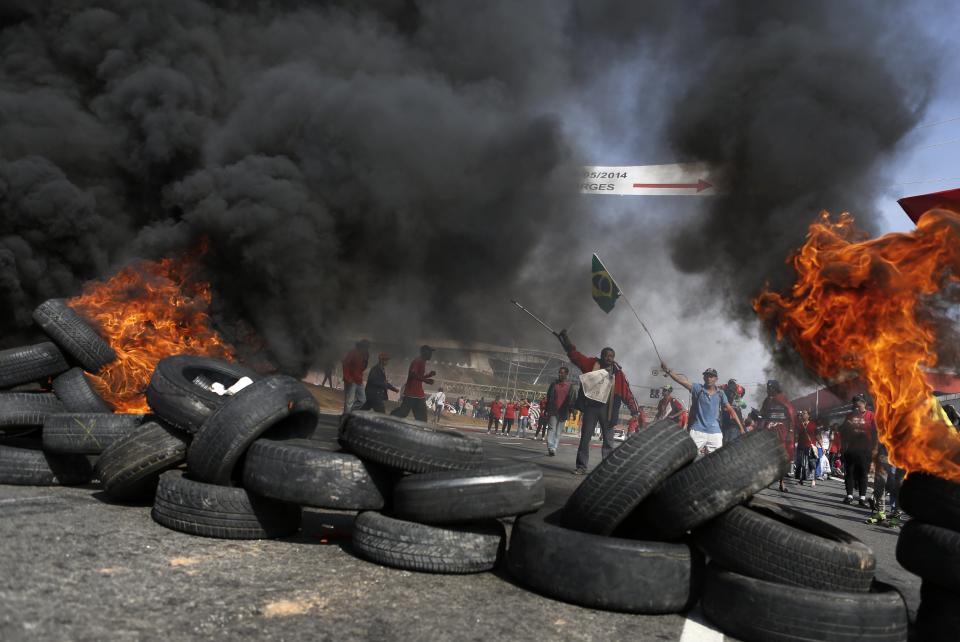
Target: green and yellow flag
(605, 290)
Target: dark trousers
(417, 405)
(492, 423)
(856, 463)
(507, 425)
(730, 435)
(374, 403)
(595, 413)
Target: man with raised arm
(708, 399)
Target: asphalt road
(75, 567)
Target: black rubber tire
(932, 552)
(755, 610)
(193, 507)
(175, 397)
(632, 471)
(783, 545)
(601, 572)
(33, 467)
(408, 445)
(278, 405)
(86, 433)
(130, 468)
(460, 496)
(74, 335)
(938, 617)
(715, 483)
(30, 363)
(931, 499)
(27, 408)
(431, 549)
(73, 389)
(303, 472)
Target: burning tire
(433, 549)
(193, 507)
(601, 572)
(938, 617)
(932, 552)
(19, 409)
(74, 335)
(130, 468)
(280, 405)
(717, 482)
(30, 363)
(755, 610)
(931, 499)
(33, 467)
(74, 390)
(179, 391)
(631, 472)
(465, 496)
(408, 445)
(303, 472)
(783, 545)
(86, 433)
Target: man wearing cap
(377, 385)
(669, 407)
(602, 413)
(705, 408)
(413, 396)
(353, 366)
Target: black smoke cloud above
(396, 167)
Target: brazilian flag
(605, 290)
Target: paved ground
(74, 567)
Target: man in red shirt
(353, 366)
(859, 439)
(510, 413)
(606, 413)
(805, 463)
(493, 422)
(413, 396)
(524, 407)
(669, 407)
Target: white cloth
(437, 399)
(712, 440)
(596, 385)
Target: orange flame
(147, 311)
(854, 307)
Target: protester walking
(439, 399)
(354, 364)
(778, 414)
(509, 415)
(414, 399)
(493, 422)
(805, 462)
(377, 385)
(708, 401)
(886, 477)
(523, 410)
(859, 436)
(604, 413)
(561, 396)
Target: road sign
(678, 179)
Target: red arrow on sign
(700, 185)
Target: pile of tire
(634, 535)
(51, 418)
(929, 546)
(444, 509)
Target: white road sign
(678, 179)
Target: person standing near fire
(805, 462)
(604, 414)
(731, 428)
(669, 407)
(523, 423)
(377, 385)
(493, 421)
(354, 364)
(778, 414)
(859, 436)
(414, 399)
(708, 401)
(509, 414)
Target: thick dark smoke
(396, 167)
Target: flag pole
(624, 295)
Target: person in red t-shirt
(353, 366)
(805, 462)
(413, 396)
(523, 408)
(509, 414)
(859, 434)
(496, 409)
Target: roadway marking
(14, 500)
(696, 629)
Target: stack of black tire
(50, 416)
(929, 546)
(444, 509)
(630, 539)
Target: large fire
(147, 311)
(855, 306)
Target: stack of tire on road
(929, 546)
(630, 539)
(445, 506)
(51, 418)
